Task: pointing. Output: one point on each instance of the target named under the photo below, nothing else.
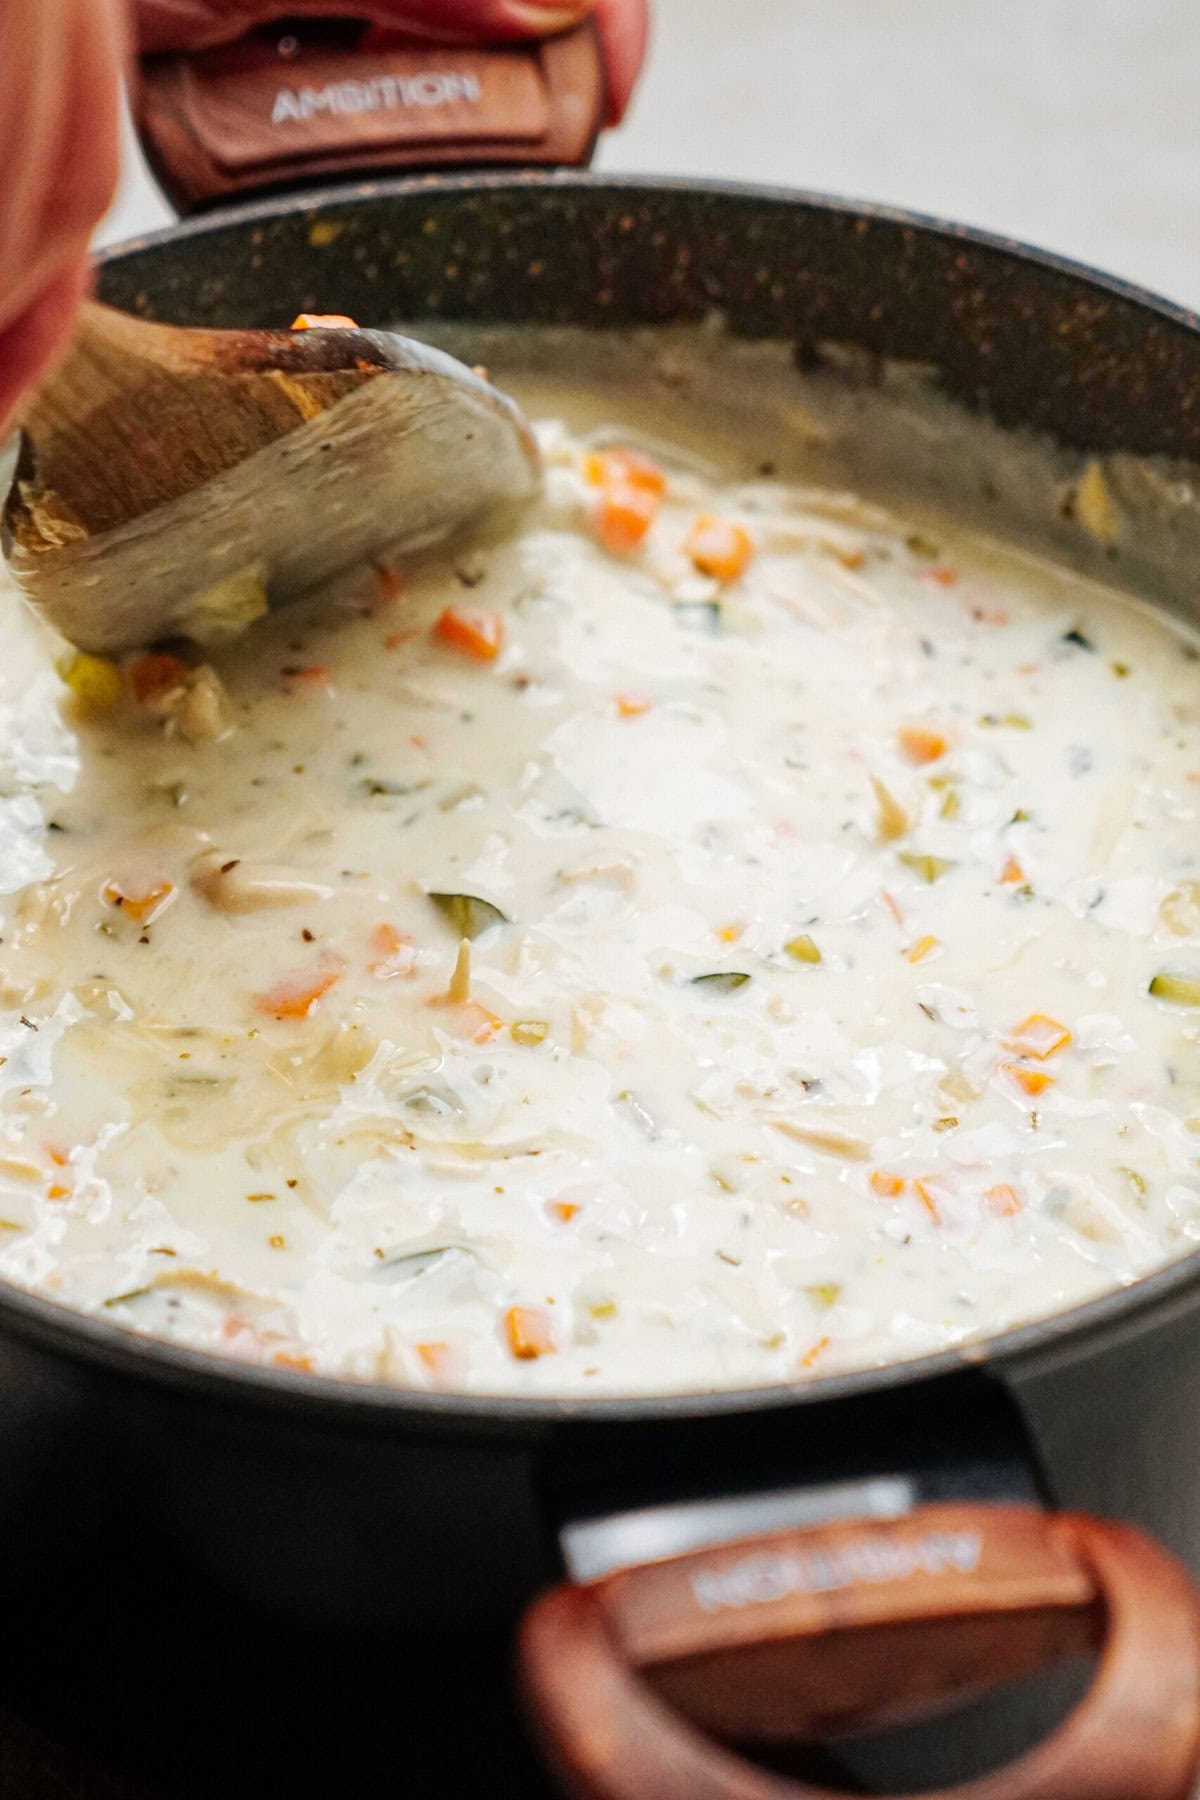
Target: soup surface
(723, 933)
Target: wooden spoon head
(174, 483)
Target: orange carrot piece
(921, 744)
(1034, 1081)
(471, 631)
(889, 905)
(562, 1210)
(143, 908)
(729, 934)
(324, 322)
(294, 996)
(58, 1156)
(632, 706)
(814, 1354)
(623, 515)
(56, 1191)
(1038, 1036)
(928, 1199)
(1003, 1200)
(467, 1018)
(1012, 873)
(886, 1185)
(940, 575)
(621, 467)
(395, 953)
(154, 673)
(719, 548)
(292, 1359)
(389, 583)
(438, 1360)
(311, 675)
(529, 1333)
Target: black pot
(198, 1485)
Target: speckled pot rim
(1123, 1313)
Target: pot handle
(311, 100)
(802, 1634)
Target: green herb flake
(469, 915)
(929, 868)
(1177, 990)
(528, 1031)
(123, 1299)
(698, 615)
(1120, 670)
(722, 981)
(824, 1294)
(1136, 1183)
(1014, 721)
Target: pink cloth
(59, 147)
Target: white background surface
(1072, 123)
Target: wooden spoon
(173, 482)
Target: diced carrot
(940, 575)
(56, 1191)
(395, 954)
(889, 905)
(389, 583)
(438, 1360)
(529, 1333)
(294, 996)
(814, 1354)
(987, 613)
(1038, 1036)
(311, 675)
(886, 1185)
(719, 548)
(562, 1210)
(729, 934)
(623, 515)
(921, 744)
(1003, 1200)
(467, 1018)
(291, 1359)
(928, 1199)
(1012, 873)
(324, 322)
(621, 467)
(143, 908)
(155, 673)
(58, 1156)
(632, 706)
(922, 948)
(471, 631)
(1034, 1081)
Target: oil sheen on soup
(723, 933)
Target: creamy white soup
(723, 933)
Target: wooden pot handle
(805, 1633)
